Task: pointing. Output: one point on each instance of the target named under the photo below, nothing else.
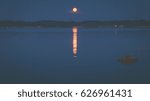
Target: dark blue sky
(60, 9)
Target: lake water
(74, 55)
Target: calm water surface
(74, 55)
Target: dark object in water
(128, 60)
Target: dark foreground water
(74, 55)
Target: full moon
(74, 10)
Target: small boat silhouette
(128, 59)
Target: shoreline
(81, 24)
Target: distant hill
(84, 24)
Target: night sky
(34, 10)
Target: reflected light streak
(75, 41)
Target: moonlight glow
(74, 10)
